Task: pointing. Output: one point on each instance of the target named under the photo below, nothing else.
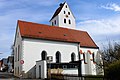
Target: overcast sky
(100, 18)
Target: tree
(111, 59)
(113, 71)
(111, 54)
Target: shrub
(113, 71)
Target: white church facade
(41, 50)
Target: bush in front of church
(113, 71)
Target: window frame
(52, 23)
(64, 12)
(64, 20)
(73, 57)
(84, 58)
(18, 52)
(55, 22)
(68, 13)
(69, 21)
(43, 55)
(66, 6)
(58, 57)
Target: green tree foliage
(111, 59)
(113, 71)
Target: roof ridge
(31, 22)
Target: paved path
(6, 75)
(10, 76)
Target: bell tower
(63, 17)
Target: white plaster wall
(43, 72)
(17, 41)
(53, 20)
(62, 16)
(92, 66)
(70, 71)
(100, 71)
(33, 48)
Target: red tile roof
(41, 31)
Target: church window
(93, 55)
(64, 12)
(17, 35)
(69, 21)
(64, 20)
(84, 58)
(44, 55)
(18, 51)
(66, 6)
(55, 22)
(52, 24)
(73, 57)
(58, 57)
(68, 13)
(16, 54)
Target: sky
(100, 18)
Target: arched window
(55, 22)
(84, 57)
(69, 21)
(73, 57)
(68, 13)
(58, 57)
(64, 12)
(44, 55)
(64, 20)
(93, 55)
(52, 24)
(66, 6)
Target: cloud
(102, 31)
(101, 27)
(29, 10)
(112, 6)
(27, 3)
(5, 44)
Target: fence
(75, 77)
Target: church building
(41, 50)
